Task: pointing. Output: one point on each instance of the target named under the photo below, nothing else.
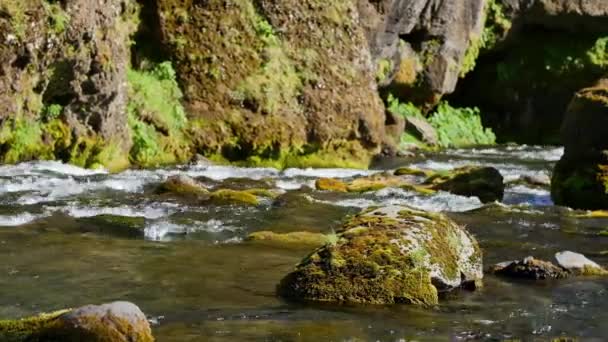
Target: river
(191, 270)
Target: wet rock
(486, 183)
(408, 171)
(331, 184)
(247, 197)
(293, 239)
(580, 178)
(115, 322)
(579, 264)
(529, 268)
(181, 185)
(387, 255)
(375, 182)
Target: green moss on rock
(388, 255)
(293, 239)
(486, 183)
(228, 196)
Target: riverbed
(70, 236)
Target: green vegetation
(51, 112)
(58, 18)
(156, 117)
(384, 68)
(456, 127)
(460, 127)
(496, 26)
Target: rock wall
(284, 82)
(63, 80)
(422, 47)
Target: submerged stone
(387, 255)
(181, 185)
(228, 196)
(529, 268)
(486, 183)
(299, 239)
(114, 225)
(113, 322)
(579, 264)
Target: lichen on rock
(388, 255)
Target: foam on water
(518, 152)
(154, 211)
(161, 229)
(441, 201)
(19, 219)
(510, 172)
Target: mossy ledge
(388, 255)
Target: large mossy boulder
(580, 178)
(280, 83)
(113, 322)
(486, 183)
(388, 255)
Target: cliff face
(63, 80)
(278, 82)
(285, 81)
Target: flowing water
(70, 236)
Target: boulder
(579, 264)
(486, 183)
(387, 255)
(113, 322)
(529, 268)
(331, 184)
(580, 178)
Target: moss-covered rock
(331, 184)
(113, 225)
(114, 322)
(486, 183)
(388, 255)
(229, 196)
(181, 185)
(408, 171)
(294, 239)
(580, 178)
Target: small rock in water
(538, 180)
(181, 185)
(579, 264)
(529, 268)
(116, 322)
(486, 183)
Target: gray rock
(578, 263)
(421, 129)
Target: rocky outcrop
(388, 255)
(63, 89)
(524, 88)
(116, 322)
(422, 47)
(580, 178)
(283, 83)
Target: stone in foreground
(579, 264)
(529, 268)
(388, 255)
(113, 322)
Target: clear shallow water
(198, 280)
